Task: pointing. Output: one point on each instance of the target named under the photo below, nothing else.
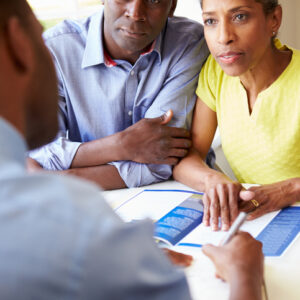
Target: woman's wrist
(214, 177)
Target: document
(178, 221)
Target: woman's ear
(19, 45)
(275, 19)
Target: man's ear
(19, 45)
(173, 7)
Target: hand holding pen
(239, 261)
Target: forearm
(193, 171)
(245, 287)
(106, 176)
(100, 151)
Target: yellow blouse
(264, 146)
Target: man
(59, 239)
(130, 62)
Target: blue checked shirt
(61, 240)
(99, 97)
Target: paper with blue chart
(178, 215)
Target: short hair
(268, 5)
(9, 8)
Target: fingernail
(225, 227)
(168, 113)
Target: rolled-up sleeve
(59, 154)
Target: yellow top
(263, 147)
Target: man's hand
(269, 197)
(178, 259)
(240, 263)
(151, 141)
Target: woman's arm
(221, 193)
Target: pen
(232, 231)
(234, 228)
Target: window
(50, 12)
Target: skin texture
(244, 255)
(27, 65)
(239, 35)
(130, 27)
(179, 259)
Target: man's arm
(106, 176)
(148, 141)
(240, 263)
(139, 167)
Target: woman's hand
(269, 197)
(220, 200)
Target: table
(281, 273)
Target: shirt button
(130, 113)
(132, 73)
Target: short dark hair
(9, 8)
(268, 5)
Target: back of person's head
(28, 88)
(9, 8)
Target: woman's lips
(229, 57)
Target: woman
(250, 88)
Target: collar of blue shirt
(94, 50)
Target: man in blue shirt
(59, 238)
(120, 71)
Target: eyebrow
(233, 10)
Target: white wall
(290, 28)
(189, 8)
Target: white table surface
(282, 274)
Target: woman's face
(238, 33)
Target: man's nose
(136, 10)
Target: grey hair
(268, 5)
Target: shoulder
(183, 44)
(69, 31)
(184, 28)
(296, 59)
(211, 71)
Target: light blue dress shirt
(98, 99)
(60, 240)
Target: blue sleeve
(179, 95)
(59, 154)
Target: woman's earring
(273, 33)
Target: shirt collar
(95, 54)
(94, 50)
(13, 146)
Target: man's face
(42, 95)
(131, 25)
